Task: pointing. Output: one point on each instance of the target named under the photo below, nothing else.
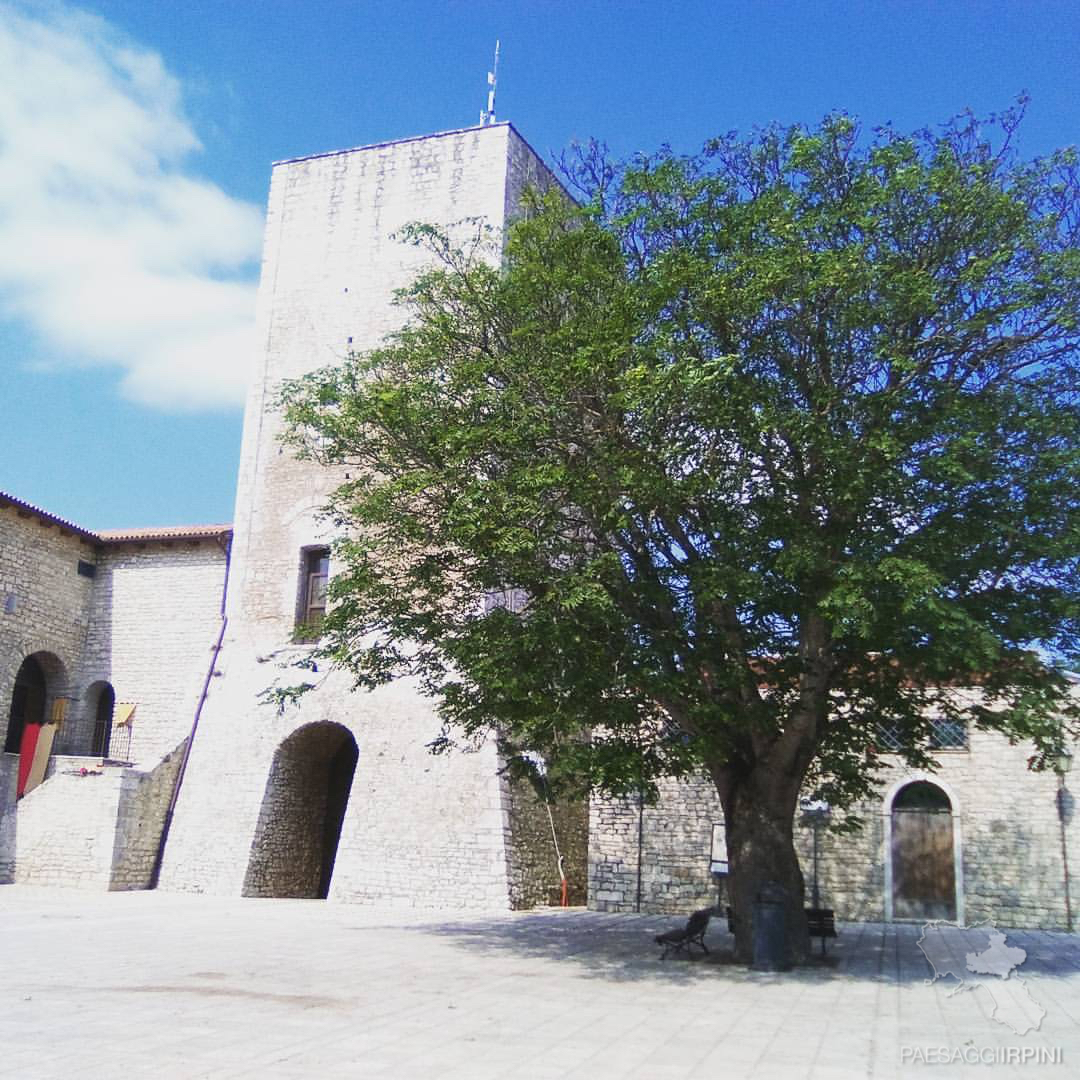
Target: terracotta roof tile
(164, 532)
(118, 536)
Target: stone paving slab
(158, 985)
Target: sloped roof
(44, 515)
(118, 536)
(164, 532)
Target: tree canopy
(729, 463)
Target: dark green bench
(821, 922)
(693, 933)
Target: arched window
(103, 721)
(27, 703)
(922, 795)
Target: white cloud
(109, 250)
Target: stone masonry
(418, 829)
(534, 866)
(155, 619)
(263, 790)
(1006, 830)
(137, 612)
(46, 601)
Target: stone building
(146, 653)
(983, 837)
(338, 796)
(106, 638)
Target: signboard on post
(718, 858)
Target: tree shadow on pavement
(621, 947)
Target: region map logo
(981, 960)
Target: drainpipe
(640, 842)
(1061, 767)
(564, 900)
(225, 543)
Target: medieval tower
(339, 795)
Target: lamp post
(816, 815)
(1061, 764)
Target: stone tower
(339, 796)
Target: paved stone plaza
(157, 985)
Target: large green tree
(726, 465)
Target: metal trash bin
(771, 948)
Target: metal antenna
(488, 115)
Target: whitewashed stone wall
(85, 825)
(418, 830)
(1005, 822)
(156, 617)
(332, 261)
(65, 828)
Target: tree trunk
(759, 811)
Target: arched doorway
(923, 855)
(307, 792)
(104, 707)
(27, 703)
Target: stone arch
(53, 650)
(939, 843)
(34, 685)
(299, 826)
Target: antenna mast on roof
(488, 115)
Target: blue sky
(136, 138)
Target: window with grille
(944, 735)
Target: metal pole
(640, 842)
(1061, 796)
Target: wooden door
(924, 872)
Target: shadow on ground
(621, 947)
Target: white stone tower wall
(421, 830)
(331, 266)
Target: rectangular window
(943, 735)
(86, 569)
(311, 610)
(948, 734)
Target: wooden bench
(820, 923)
(693, 933)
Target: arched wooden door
(923, 862)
